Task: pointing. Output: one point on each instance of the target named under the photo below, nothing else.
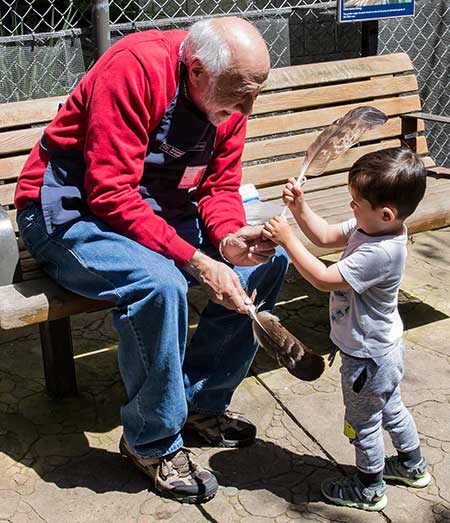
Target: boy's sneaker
(229, 429)
(351, 492)
(175, 475)
(417, 476)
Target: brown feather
(280, 344)
(336, 139)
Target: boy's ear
(389, 214)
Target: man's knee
(164, 285)
(168, 288)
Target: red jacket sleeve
(219, 202)
(116, 141)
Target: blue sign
(361, 10)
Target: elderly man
(130, 196)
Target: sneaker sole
(415, 483)
(376, 507)
(165, 493)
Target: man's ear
(389, 214)
(197, 72)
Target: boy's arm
(311, 268)
(316, 229)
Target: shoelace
(183, 469)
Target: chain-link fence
(426, 38)
(40, 47)
(47, 45)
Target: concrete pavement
(59, 460)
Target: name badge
(192, 176)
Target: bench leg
(57, 352)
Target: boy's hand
(292, 194)
(278, 230)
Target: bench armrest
(427, 116)
(9, 253)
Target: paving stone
(9, 502)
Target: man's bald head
(231, 56)
(248, 51)
(227, 43)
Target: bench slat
(333, 94)
(283, 123)
(317, 184)
(273, 172)
(342, 70)
(10, 167)
(299, 143)
(29, 112)
(434, 202)
(279, 172)
(7, 193)
(40, 300)
(23, 140)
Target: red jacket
(109, 117)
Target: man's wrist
(197, 264)
(221, 247)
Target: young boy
(385, 188)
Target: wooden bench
(296, 104)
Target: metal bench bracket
(10, 271)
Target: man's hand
(222, 283)
(247, 247)
(278, 230)
(293, 196)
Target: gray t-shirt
(365, 322)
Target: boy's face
(370, 220)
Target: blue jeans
(163, 379)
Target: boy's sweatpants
(371, 390)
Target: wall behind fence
(47, 45)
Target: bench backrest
(296, 104)
(299, 101)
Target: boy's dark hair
(394, 176)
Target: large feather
(280, 344)
(337, 138)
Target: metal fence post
(369, 38)
(100, 25)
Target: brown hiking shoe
(175, 475)
(230, 429)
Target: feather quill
(336, 139)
